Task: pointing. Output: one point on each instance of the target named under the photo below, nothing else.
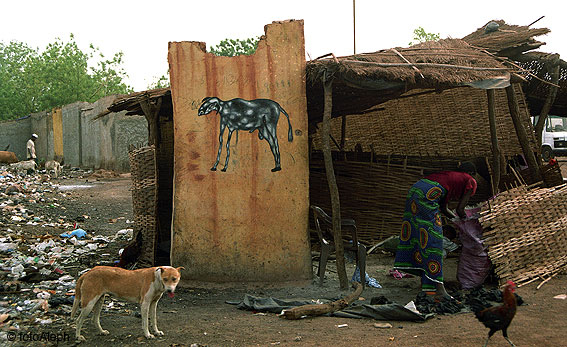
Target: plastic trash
(474, 264)
(18, 269)
(7, 247)
(78, 233)
(370, 281)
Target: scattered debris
(42, 249)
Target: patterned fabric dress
(420, 251)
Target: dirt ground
(201, 317)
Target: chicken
(499, 317)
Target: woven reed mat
(526, 233)
(144, 200)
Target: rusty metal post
(331, 180)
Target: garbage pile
(463, 301)
(42, 251)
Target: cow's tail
(77, 300)
(290, 130)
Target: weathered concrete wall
(128, 130)
(248, 223)
(72, 145)
(56, 120)
(42, 126)
(71, 133)
(105, 141)
(15, 133)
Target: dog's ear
(159, 270)
(180, 268)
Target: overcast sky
(142, 29)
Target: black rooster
(499, 317)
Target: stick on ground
(321, 309)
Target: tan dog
(143, 286)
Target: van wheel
(546, 153)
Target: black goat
(239, 114)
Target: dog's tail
(77, 300)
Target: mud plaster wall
(247, 224)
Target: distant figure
(30, 148)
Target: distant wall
(41, 125)
(15, 133)
(71, 134)
(105, 141)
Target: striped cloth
(420, 251)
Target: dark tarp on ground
(393, 311)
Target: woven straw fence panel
(374, 195)
(526, 233)
(144, 199)
(453, 123)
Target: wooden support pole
(151, 112)
(331, 180)
(494, 140)
(553, 69)
(514, 108)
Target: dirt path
(201, 316)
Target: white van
(553, 137)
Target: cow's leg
(222, 126)
(272, 139)
(227, 150)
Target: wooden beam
(151, 112)
(514, 108)
(331, 180)
(494, 140)
(554, 69)
(427, 64)
(321, 309)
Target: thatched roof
(514, 42)
(362, 81)
(536, 92)
(365, 80)
(131, 103)
(506, 40)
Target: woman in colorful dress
(420, 251)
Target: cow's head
(209, 104)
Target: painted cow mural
(239, 114)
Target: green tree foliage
(234, 47)
(420, 35)
(32, 81)
(160, 82)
